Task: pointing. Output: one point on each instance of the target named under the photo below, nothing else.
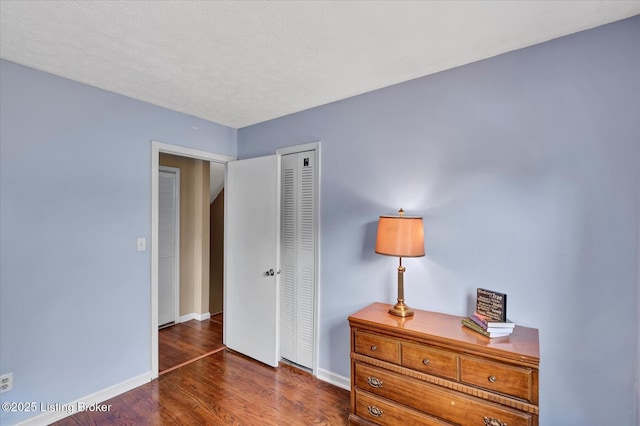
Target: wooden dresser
(429, 370)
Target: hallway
(189, 341)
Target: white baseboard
(334, 379)
(194, 316)
(60, 411)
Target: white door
(297, 239)
(168, 244)
(251, 262)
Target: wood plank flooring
(221, 388)
(225, 388)
(187, 341)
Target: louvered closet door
(298, 258)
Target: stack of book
(490, 316)
(487, 326)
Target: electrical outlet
(6, 382)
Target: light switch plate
(141, 244)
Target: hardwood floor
(188, 341)
(225, 388)
(219, 388)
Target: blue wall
(75, 193)
(525, 168)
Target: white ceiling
(242, 62)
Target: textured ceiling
(242, 62)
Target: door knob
(269, 273)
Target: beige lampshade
(401, 236)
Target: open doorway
(193, 236)
(190, 333)
(194, 300)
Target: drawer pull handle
(374, 382)
(492, 421)
(376, 412)
(492, 379)
(374, 348)
(425, 361)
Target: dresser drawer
(434, 400)
(430, 360)
(385, 412)
(383, 348)
(497, 377)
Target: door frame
(312, 146)
(156, 149)
(176, 231)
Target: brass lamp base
(401, 310)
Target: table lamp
(401, 236)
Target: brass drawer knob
(374, 411)
(374, 348)
(425, 361)
(492, 421)
(374, 382)
(492, 379)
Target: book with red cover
(487, 322)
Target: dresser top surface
(522, 344)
